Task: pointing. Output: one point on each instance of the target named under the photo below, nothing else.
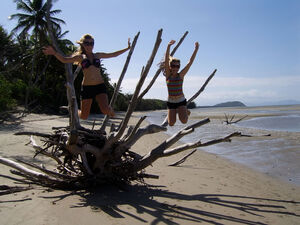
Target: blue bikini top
(86, 63)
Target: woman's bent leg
(171, 117)
(102, 100)
(183, 114)
(85, 108)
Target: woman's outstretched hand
(129, 44)
(172, 42)
(49, 50)
(196, 45)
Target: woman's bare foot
(111, 112)
(188, 112)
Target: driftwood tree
(87, 157)
(231, 119)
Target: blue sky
(254, 44)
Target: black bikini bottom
(90, 91)
(172, 105)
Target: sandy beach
(206, 189)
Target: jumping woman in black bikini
(93, 83)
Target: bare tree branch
(117, 88)
(50, 172)
(182, 160)
(185, 131)
(40, 150)
(27, 171)
(202, 88)
(33, 133)
(77, 71)
(158, 152)
(150, 129)
(135, 128)
(230, 121)
(133, 101)
(184, 147)
(73, 107)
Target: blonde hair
(161, 64)
(81, 49)
(80, 42)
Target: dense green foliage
(6, 100)
(8, 57)
(35, 81)
(45, 89)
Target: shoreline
(268, 151)
(206, 188)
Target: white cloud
(254, 90)
(232, 82)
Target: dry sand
(206, 189)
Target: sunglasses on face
(175, 65)
(87, 43)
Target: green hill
(230, 104)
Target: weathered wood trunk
(87, 157)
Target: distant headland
(226, 104)
(230, 104)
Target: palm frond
(24, 7)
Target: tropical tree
(8, 58)
(5, 47)
(33, 17)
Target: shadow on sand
(143, 199)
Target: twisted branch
(71, 95)
(184, 147)
(158, 152)
(117, 88)
(133, 101)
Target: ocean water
(278, 157)
(280, 123)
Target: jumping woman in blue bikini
(93, 84)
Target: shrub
(6, 100)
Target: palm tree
(65, 44)
(34, 17)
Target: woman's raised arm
(184, 71)
(167, 58)
(113, 54)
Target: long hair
(81, 49)
(161, 64)
(80, 42)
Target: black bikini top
(85, 63)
